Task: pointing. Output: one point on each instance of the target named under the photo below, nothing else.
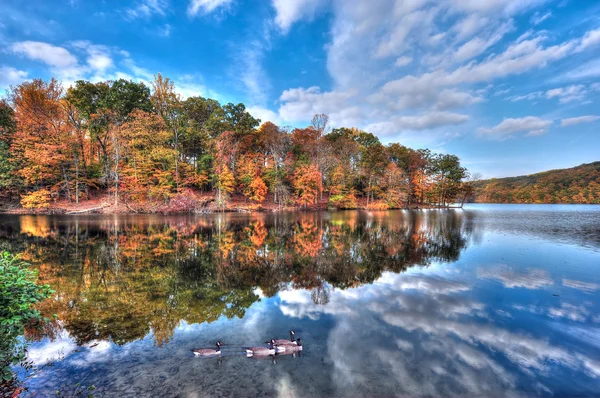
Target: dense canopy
(147, 147)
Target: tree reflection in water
(122, 277)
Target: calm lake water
(489, 300)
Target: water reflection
(391, 303)
(120, 278)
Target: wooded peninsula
(122, 146)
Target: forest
(134, 147)
(579, 184)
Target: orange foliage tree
(307, 184)
(42, 140)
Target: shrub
(36, 200)
(18, 293)
(342, 201)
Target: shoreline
(122, 209)
(189, 204)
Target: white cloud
(403, 61)
(563, 94)
(165, 31)
(495, 7)
(538, 17)
(10, 76)
(251, 72)
(569, 311)
(391, 56)
(531, 124)
(531, 96)
(206, 6)
(300, 104)
(147, 8)
(192, 86)
(470, 25)
(449, 99)
(511, 278)
(290, 11)
(590, 39)
(567, 94)
(437, 332)
(424, 121)
(99, 58)
(477, 45)
(571, 121)
(264, 114)
(49, 54)
(587, 70)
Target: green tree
(18, 293)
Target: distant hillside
(579, 184)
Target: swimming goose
(207, 352)
(297, 346)
(261, 351)
(285, 342)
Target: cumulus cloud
(571, 121)
(567, 94)
(264, 114)
(206, 6)
(290, 11)
(417, 122)
(391, 57)
(437, 331)
(300, 104)
(49, 54)
(99, 58)
(532, 125)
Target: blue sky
(511, 86)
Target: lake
(488, 300)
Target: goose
(297, 346)
(261, 351)
(285, 342)
(208, 352)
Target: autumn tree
(167, 104)
(307, 184)
(224, 182)
(148, 170)
(42, 141)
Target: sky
(510, 86)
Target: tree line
(579, 184)
(143, 144)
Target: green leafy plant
(19, 292)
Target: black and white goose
(297, 346)
(284, 342)
(261, 351)
(208, 352)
